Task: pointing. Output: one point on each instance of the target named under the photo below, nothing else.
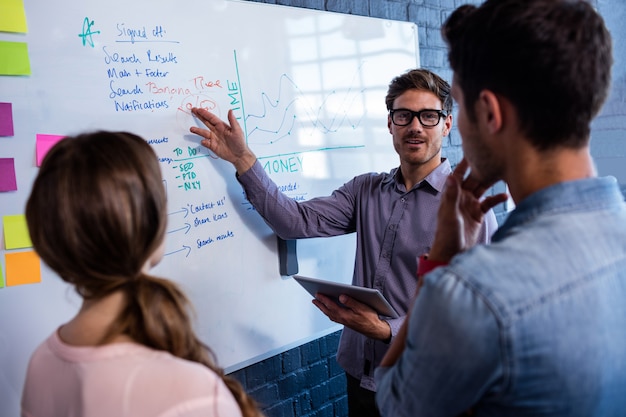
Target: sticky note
(13, 16)
(44, 143)
(14, 58)
(7, 175)
(16, 232)
(1, 277)
(22, 268)
(6, 119)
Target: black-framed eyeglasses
(427, 117)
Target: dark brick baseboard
(305, 381)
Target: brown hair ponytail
(96, 214)
(157, 315)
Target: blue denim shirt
(394, 226)
(533, 324)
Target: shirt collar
(585, 194)
(436, 179)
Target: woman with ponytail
(96, 216)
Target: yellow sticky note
(22, 268)
(1, 277)
(13, 16)
(16, 232)
(14, 58)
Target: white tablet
(369, 296)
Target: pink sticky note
(6, 119)
(7, 175)
(44, 143)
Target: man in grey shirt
(394, 215)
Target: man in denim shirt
(393, 214)
(533, 324)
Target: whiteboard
(308, 87)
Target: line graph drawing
(292, 109)
(309, 116)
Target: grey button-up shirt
(394, 226)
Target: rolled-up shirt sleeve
(394, 325)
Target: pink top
(120, 379)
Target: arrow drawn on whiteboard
(182, 210)
(185, 247)
(187, 227)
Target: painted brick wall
(306, 381)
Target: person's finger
(448, 236)
(324, 298)
(332, 310)
(469, 182)
(322, 308)
(234, 123)
(451, 193)
(461, 170)
(206, 117)
(475, 186)
(320, 305)
(492, 201)
(352, 304)
(205, 133)
(232, 119)
(206, 143)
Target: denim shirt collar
(564, 197)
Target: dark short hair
(420, 79)
(551, 58)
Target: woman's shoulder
(146, 381)
(156, 363)
(181, 383)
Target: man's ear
(447, 125)
(389, 124)
(489, 110)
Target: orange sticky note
(16, 232)
(22, 268)
(44, 143)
